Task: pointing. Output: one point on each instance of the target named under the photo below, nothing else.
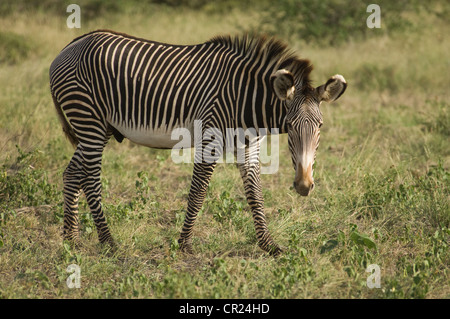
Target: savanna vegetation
(382, 168)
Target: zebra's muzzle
(303, 189)
(304, 182)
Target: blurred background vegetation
(323, 22)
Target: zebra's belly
(157, 137)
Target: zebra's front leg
(200, 180)
(250, 173)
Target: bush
(337, 21)
(13, 48)
(25, 184)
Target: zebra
(106, 83)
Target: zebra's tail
(67, 129)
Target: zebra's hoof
(185, 246)
(187, 249)
(275, 251)
(109, 243)
(72, 243)
(108, 248)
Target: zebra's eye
(289, 126)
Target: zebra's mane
(272, 52)
(269, 49)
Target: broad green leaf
(362, 240)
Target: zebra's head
(304, 120)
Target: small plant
(225, 208)
(292, 270)
(25, 184)
(362, 240)
(135, 207)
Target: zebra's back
(144, 89)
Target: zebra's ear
(333, 89)
(283, 84)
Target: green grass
(382, 175)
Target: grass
(382, 174)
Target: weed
(26, 183)
(226, 210)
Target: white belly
(157, 138)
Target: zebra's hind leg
(200, 180)
(83, 172)
(92, 188)
(72, 188)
